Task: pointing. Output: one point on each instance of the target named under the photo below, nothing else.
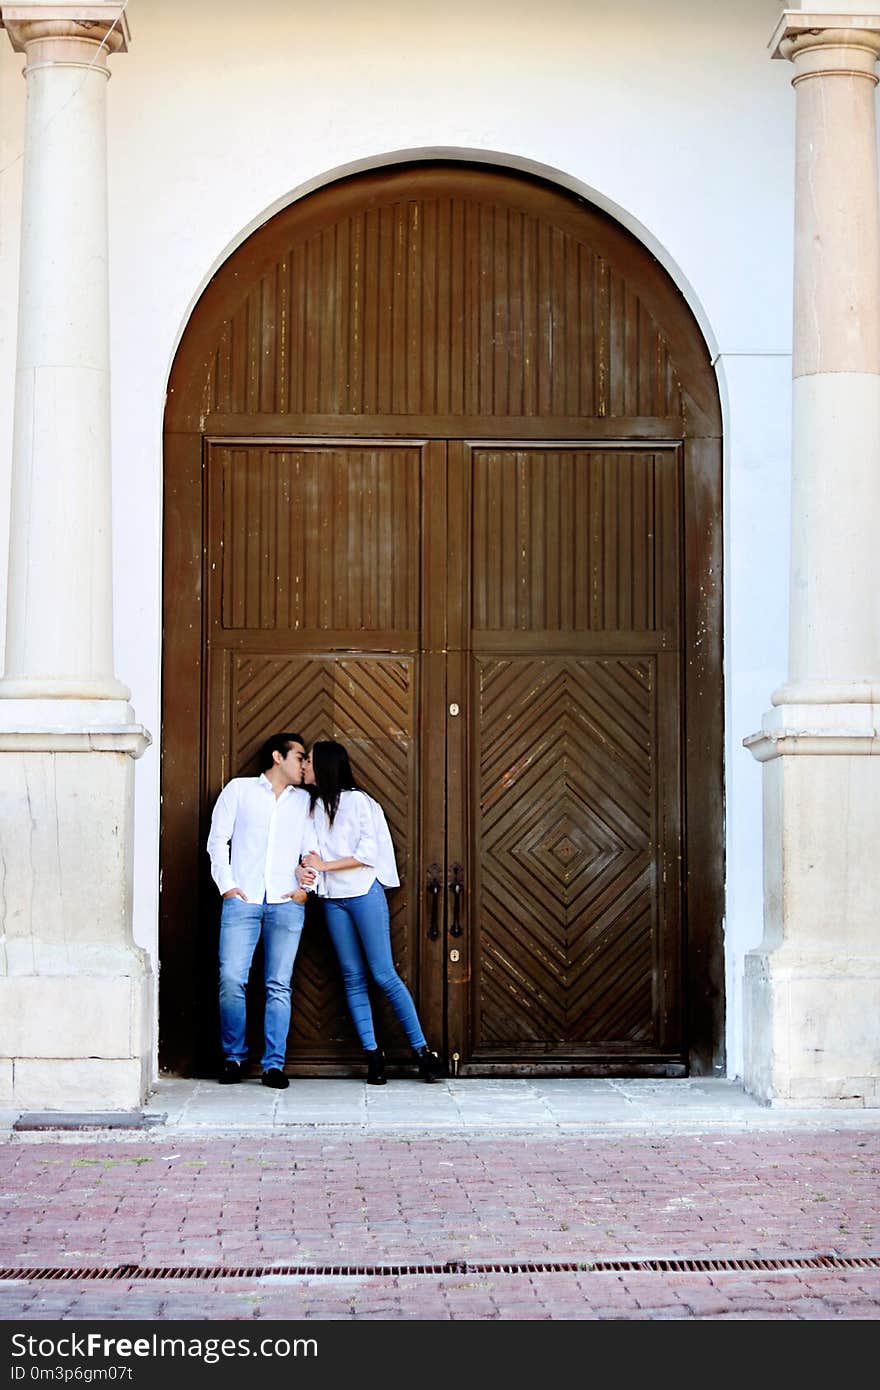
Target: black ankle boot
(376, 1067)
(430, 1066)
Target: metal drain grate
(674, 1264)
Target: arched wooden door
(443, 481)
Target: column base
(86, 1085)
(76, 993)
(63, 688)
(812, 989)
(76, 1042)
(71, 725)
(837, 728)
(811, 1031)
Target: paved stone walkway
(479, 1103)
(323, 1197)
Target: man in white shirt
(262, 820)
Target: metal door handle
(434, 894)
(455, 889)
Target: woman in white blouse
(354, 858)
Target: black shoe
(376, 1067)
(275, 1078)
(231, 1072)
(430, 1066)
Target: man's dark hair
(278, 743)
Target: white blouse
(358, 832)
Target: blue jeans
(241, 925)
(361, 935)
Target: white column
(59, 641)
(812, 990)
(76, 1007)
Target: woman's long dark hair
(333, 775)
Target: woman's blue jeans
(241, 925)
(361, 935)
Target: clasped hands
(305, 875)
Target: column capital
(66, 31)
(800, 31)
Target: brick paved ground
(318, 1199)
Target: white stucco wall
(668, 113)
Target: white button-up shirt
(266, 832)
(358, 832)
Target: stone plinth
(812, 990)
(76, 999)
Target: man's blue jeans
(360, 933)
(241, 925)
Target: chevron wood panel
(319, 538)
(569, 540)
(369, 704)
(483, 301)
(567, 833)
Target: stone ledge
(112, 1119)
(829, 730)
(115, 738)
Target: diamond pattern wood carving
(567, 849)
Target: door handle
(434, 887)
(456, 888)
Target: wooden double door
(493, 627)
(443, 480)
